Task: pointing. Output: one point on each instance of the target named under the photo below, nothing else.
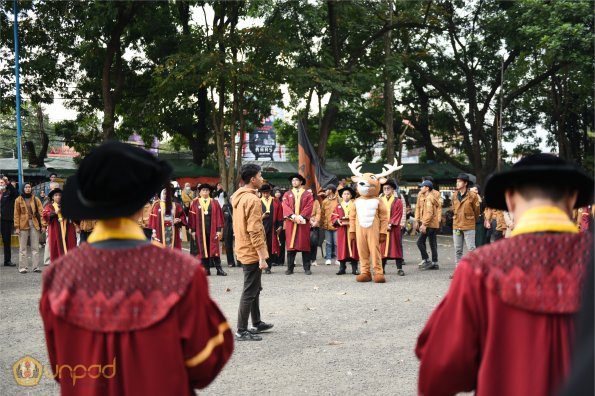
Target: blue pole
(18, 88)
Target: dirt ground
(332, 336)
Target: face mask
(187, 189)
(162, 195)
(2, 188)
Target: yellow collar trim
(267, 203)
(544, 219)
(118, 228)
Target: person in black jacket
(228, 232)
(8, 194)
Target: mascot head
(368, 184)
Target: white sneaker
(337, 262)
(314, 263)
(328, 262)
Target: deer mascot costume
(368, 220)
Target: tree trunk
(330, 114)
(388, 93)
(110, 98)
(241, 141)
(218, 116)
(45, 140)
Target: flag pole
(18, 94)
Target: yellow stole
(63, 225)
(297, 193)
(118, 228)
(347, 208)
(544, 219)
(267, 204)
(173, 215)
(389, 204)
(205, 209)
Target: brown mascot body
(369, 220)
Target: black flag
(309, 165)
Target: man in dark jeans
(251, 251)
(430, 221)
(8, 194)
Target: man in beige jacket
(429, 225)
(465, 204)
(251, 251)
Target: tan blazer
(21, 214)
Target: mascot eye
(373, 177)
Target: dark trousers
(228, 240)
(6, 230)
(148, 233)
(421, 244)
(250, 300)
(211, 262)
(399, 262)
(84, 235)
(291, 259)
(281, 257)
(314, 242)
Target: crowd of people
(509, 313)
(295, 220)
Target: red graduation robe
(272, 223)
(157, 223)
(393, 238)
(61, 234)
(143, 314)
(344, 252)
(195, 223)
(297, 236)
(506, 325)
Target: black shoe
(341, 272)
(434, 266)
(401, 272)
(9, 264)
(220, 272)
(247, 336)
(267, 271)
(308, 272)
(289, 272)
(261, 328)
(426, 265)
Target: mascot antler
(356, 166)
(388, 169)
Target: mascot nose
(362, 183)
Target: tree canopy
(199, 72)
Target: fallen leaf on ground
(407, 300)
(335, 343)
(342, 293)
(227, 290)
(309, 308)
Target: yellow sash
(544, 219)
(347, 208)
(205, 209)
(118, 228)
(297, 193)
(389, 204)
(63, 225)
(267, 204)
